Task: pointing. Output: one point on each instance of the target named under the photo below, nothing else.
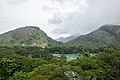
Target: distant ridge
(106, 35)
(66, 39)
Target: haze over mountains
(66, 39)
(33, 36)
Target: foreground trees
(103, 66)
(11, 64)
(7, 67)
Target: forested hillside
(105, 35)
(17, 64)
(27, 36)
(27, 54)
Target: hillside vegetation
(105, 35)
(27, 36)
(103, 66)
(27, 54)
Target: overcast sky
(59, 17)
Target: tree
(19, 76)
(50, 72)
(7, 68)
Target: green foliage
(7, 67)
(113, 65)
(104, 65)
(51, 72)
(10, 63)
(27, 36)
(104, 36)
(38, 77)
(28, 64)
(19, 76)
(34, 52)
(90, 67)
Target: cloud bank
(59, 18)
(97, 13)
(16, 1)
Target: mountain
(27, 36)
(105, 35)
(66, 39)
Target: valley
(27, 53)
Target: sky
(59, 18)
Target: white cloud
(16, 1)
(63, 8)
(55, 21)
(97, 13)
(58, 17)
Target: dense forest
(36, 63)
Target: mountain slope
(27, 36)
(105, 35)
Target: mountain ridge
(105, 35)
(34, 36)
(27, 36)
(66, 39)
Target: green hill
(105, 35)
(27, 36)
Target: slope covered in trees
(100, 58)
(27, 36)
(103, 66)
(105, 35)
